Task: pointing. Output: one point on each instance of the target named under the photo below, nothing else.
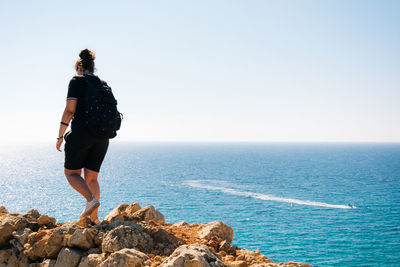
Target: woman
(82, 150)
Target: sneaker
(90, 206)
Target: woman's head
(85, 63)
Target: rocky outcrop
(126, 257)
(194, 255)
(217, 229)
(122, 212)
(126, 237)
(134, 213)
(129, 236)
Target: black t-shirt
(77, 90)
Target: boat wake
(205, 184)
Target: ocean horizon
(326, 204)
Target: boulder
(126, 237)
(48, 243)
(125, 258)
(31, 215)
(68, 257)
(12, 257)
(217, 229)
(22, 235)
(82, 238)
(3, 209)
(9, 223)
(92, 260)
(193, 255)
(164, 242)
(122, 210)
(44, 220)
(148, 214)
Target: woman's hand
(58, 144)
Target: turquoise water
(248, 186)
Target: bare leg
(91, 180)
(76, 181)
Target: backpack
(101, 117)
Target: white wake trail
(199, 184)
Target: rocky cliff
(129, 236)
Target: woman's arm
(69, 112)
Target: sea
(325, 204)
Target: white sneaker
(90, 206)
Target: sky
(208, 71)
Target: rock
(126, 257)
(35, 240)
(217, 229)
(92, 260)
(68, 257)
(3, 209)
(126, 237)
(229, 258)
(22, 235)
(238, 264)
(48, 263)
(122, 210)
(179, 224)
(44, 220)
(9, 223)
(5, 255)
(31, 215)
(12, 257)
(164, 242)
(224, 245)
(16, 244)
(148, 214)
(48, 243)
(116, 223)
(98, 239)
(194, 255)
(82, 238)
(162, 237)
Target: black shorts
(83, 150)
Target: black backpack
(101, 119)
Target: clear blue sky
(208, 70)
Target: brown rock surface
(122, 212)
(217, 229)
(82, 238)
(9, 223)
(92, 260)
(148, 214)
(68, 257)
(126, 237)
(48, 243)
(44, 219)
(193, 255)
(125, 258)
(132, 236)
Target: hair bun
(87, 55)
